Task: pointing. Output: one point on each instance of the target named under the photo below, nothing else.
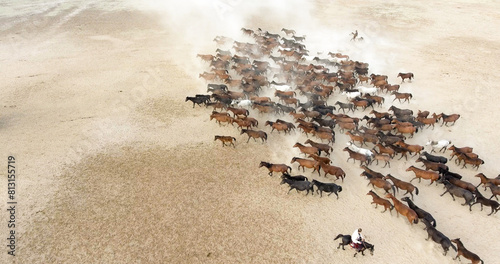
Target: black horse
(327, 187)
(346, 240)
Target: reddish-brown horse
(423, 174)
(403, 209)
(377, 200)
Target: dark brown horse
(407, 75)
(255, 134)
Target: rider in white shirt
(358, 239)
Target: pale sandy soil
(114, 166)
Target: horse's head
(371, 248)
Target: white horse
(368, 90)
(357, 149)
(283, 88)
(242, 103)
(441, 144)
(351, 95)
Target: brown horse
(321, 159)
(230, 140)
(448, 118)
(408, 187)
(462, 251)
(429, 121)
(475, 162)
(378, 182)
(381, 157)
(357, 156)
(238, 111)
(404, 76)
(403, 129)
(404, 96)
(485, 180)
(377, 200)
(322, 147)
(208, 76)
(326, 135)
(208, 57)
(403, 209)
(278, 126)
(243, 123)
(221, 118)
(412, 148)
(255, 134)
(283, 168)
(353, 137)
(423, 174)
(311, 164)
(346, 126)
(385, 150)
(306, 150)
(330, 169)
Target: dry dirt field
(113, 166)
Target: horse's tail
(416, 190)
(415, 221)
(290, 169)
(393, 189)
(338, 236)
(453, 246)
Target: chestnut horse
(400, 184)
(423, 174)
(403, 209)
(404, 96)
(377, 200)
(485, 180)
(283, 168)
(330, 169)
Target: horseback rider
(358, 239)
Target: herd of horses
(274, 76)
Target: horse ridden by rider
(357, 240)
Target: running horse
(283, 168)
(254, 134)
(226, 139)
(407, 75)
(346, 240)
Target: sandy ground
(114, 167)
